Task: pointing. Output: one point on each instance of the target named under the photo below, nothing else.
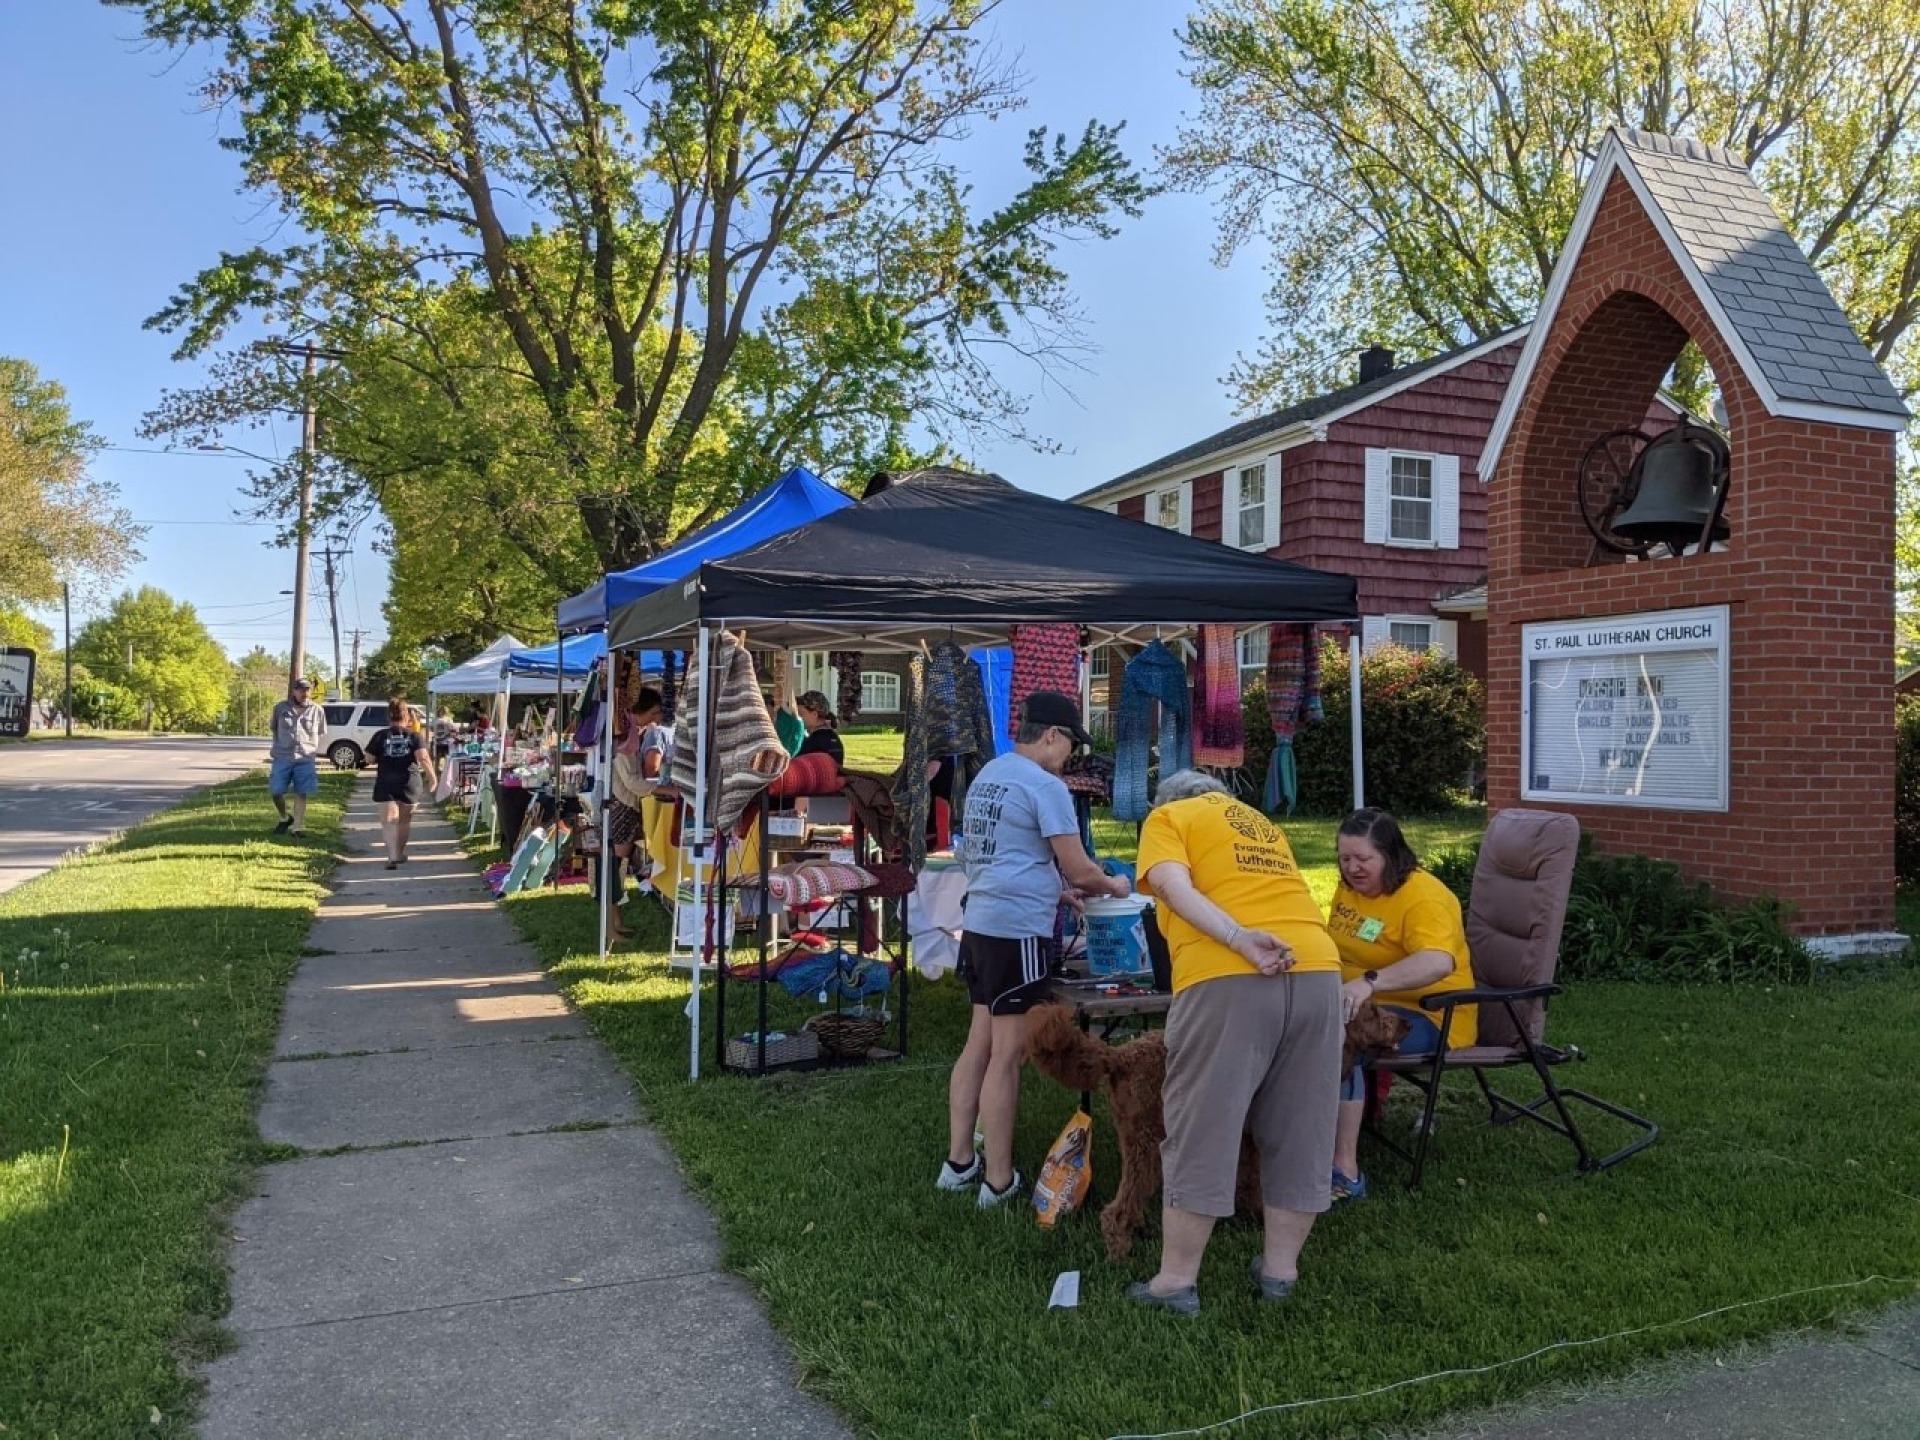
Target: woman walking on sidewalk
(403, 773)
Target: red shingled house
(1375, 480)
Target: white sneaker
(990, 1197)
(952, 1179)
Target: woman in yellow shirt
(1400, 937)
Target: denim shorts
(296, 777)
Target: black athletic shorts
(1009, 977)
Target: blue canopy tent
(795, 499)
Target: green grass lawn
(1781, 1168)
(140, 991)
(878, 751)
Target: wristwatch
(1372, 977)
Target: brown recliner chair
(1518, 909)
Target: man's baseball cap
(1050, 707)
(301, 683)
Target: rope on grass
(1910, 1281)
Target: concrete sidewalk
(499, 1270)
(1863, 1385)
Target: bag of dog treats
(1067, 1173)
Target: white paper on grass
(1066, 1291)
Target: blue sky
(116, 191)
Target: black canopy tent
(942, 551)
(940, 554)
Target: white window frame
(1185, 491)
(811, 671)
(1234, 507)
(1444, 533)
(1252, 642)
(881, 681)
(1443, 634)
(1100, 664)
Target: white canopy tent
(479, 675)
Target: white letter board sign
(1627, 710)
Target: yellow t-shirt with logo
(1240, 860)
(1421, 915)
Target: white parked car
(350, 725)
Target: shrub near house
(1424, 733)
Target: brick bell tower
(1728, 706)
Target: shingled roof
(1320, 407)
(1770, 304)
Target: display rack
(759, 1056)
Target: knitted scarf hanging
(1045, 657)
(1155, 674)
(846, 668)
(1293, 698)
(1220, 736)
(946, 714)
(669, 686)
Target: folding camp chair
(1519, 905)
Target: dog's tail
(1061, 1051)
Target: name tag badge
(1370, 930)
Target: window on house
(1410, 512)
(1253, 507)
(1166, 509)
(1101, 666)
(1253, 656)
(1411, 634)
(879, 692)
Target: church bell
(1676, 484)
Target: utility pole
(308, 439)
(328, 554)
(354, 692)
(66, 604)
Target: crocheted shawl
(744, 753)
(1155, 674)
(1220, 736)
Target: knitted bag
(1155, 674)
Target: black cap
(1050, 707)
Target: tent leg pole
(603, 793)
(1353, 704)
(500, 766)
(702, 838)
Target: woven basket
(847, 1036)
(790, 1049)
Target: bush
(1906, 788)
(1632, 918)
(1424, 733)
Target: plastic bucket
(1117, 935)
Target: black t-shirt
(393, 751)
(824, 741)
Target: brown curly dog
(1133, 1074)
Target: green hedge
(1424, 733)
(1632, 918)
(1906, 788)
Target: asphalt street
(58, 796)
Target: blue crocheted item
(1156, 673)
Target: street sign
(435, 664)
(16, 691)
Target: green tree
(255, 683)
(398, 668)
(155, 648)
(1412, 169)
(22, 631)
(56, 523)
(618, 264)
